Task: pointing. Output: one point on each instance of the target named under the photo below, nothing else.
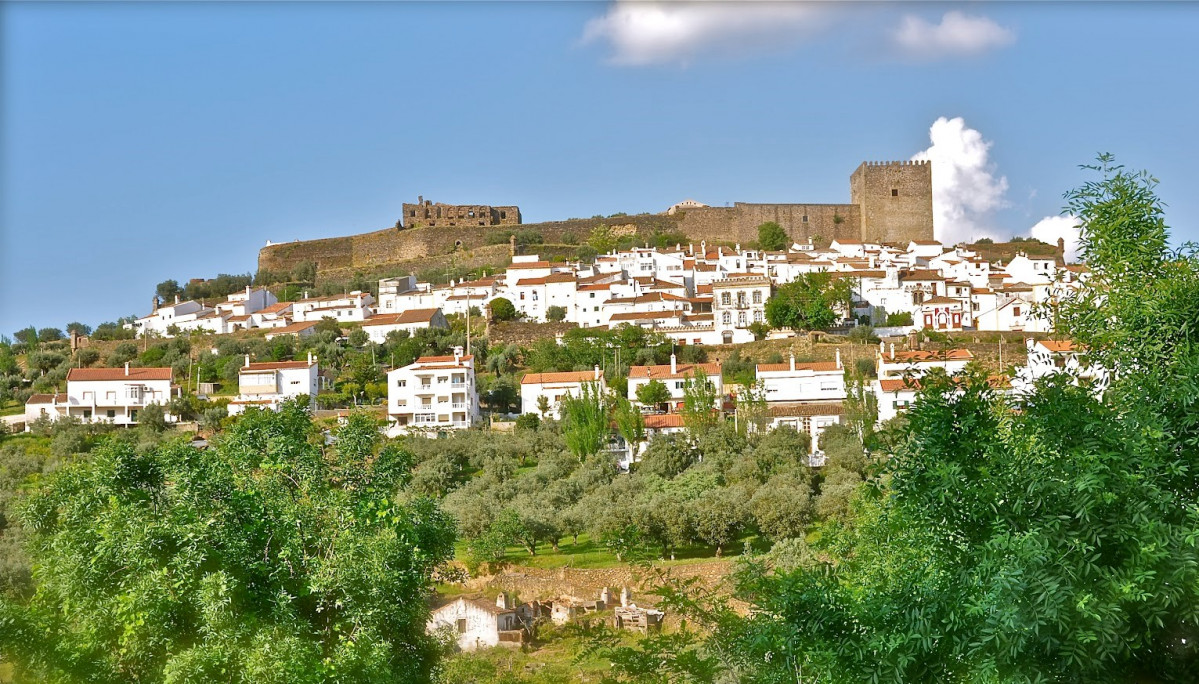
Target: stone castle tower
(895, 200)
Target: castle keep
(889, 202)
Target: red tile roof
(276, 365)
(568, 376)
(682, 370)
(819, 366)
(403, 318)
(919, 356)
(658, 421)
(810, 409)
(99, 374)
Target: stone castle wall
(890, 201)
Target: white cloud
(677, 32)
(957, 35)
(1050, 228)
(965, 188)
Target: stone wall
(425, 213)
(739, 223)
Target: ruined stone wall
(429, 214)
(896, 200)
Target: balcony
(459, 406)
(457, 385)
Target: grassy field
(554, 658)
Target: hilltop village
(689, 297)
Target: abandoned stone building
(427, 213)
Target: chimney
(838, 357)
(892, 350)
(457, 356)
(247, 361)
(305, 294)
(155, 310)
(673, 365)
(503, 602)
(626, 597)
(882, 348)
(793, 361)
(176, 299)
(126, 368)
(310, 358)
(247, 291)
(597, 372)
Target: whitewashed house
(377, 327)
(555, 386)
(268, 384)
(897, 364)
(353, 307)
(105, 395)
(799, 381)
(479, 623)
(300, 330)
(675, 377)
(739, 301)
(433, 394)
(181, 315)
(1051, 357)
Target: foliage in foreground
(264, 558)
(1054, 542)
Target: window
(678, 384)
(741, 299)
(895, 192)
(741, 319)
(1015, 311)
(462, 626)
(757, 296)
(112, 413)
(727, 318)
(805, 218)
(757, 317)
(401, 383)
(726, 298)
(87, 413)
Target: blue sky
(149, 141)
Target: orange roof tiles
(682, 370)
(568, 376)
(816, 366)
(101, 374)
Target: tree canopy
(771, 236)
(814, 301)
(263, 558)
(1046, 538)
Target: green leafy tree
(629, 422)
(653, 394)
(584, 420)
(700, 411)
(502, 310)
(555, 314)
(1052, 540)
(772, 237)
(602, 239)
(814, 301)
(258, 559)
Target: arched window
(757, 296)
(727, 319)
(726, 299)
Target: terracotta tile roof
(568, 376)
(940, 300)
(659, 421)
(1058, 345)
(100, 374)
(560, 278)
(292, 329)
(921, 356)
(810, 409)
(597, 287)
(703, 289)
(815, 366)
(682, 370)
(529, 264)
(528, 282)
(643, 315)
(403, 318)
(913, 384)
(45, 398)
(922, 274)
(442, 359)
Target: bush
(556, 314)
(502, 310)
(899, 318)
(528, 421)
(862, 333)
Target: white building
(737, 302)
(479, 623)
(412, 320)
(555, 386)
(675, 377)
(188, 315)
(433, 394)
(105, 395)
(1050, 357)
(354, 307)
(268, 384)
(915, 363)
(795, 382)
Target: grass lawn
(588, 554)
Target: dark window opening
(895, 192)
